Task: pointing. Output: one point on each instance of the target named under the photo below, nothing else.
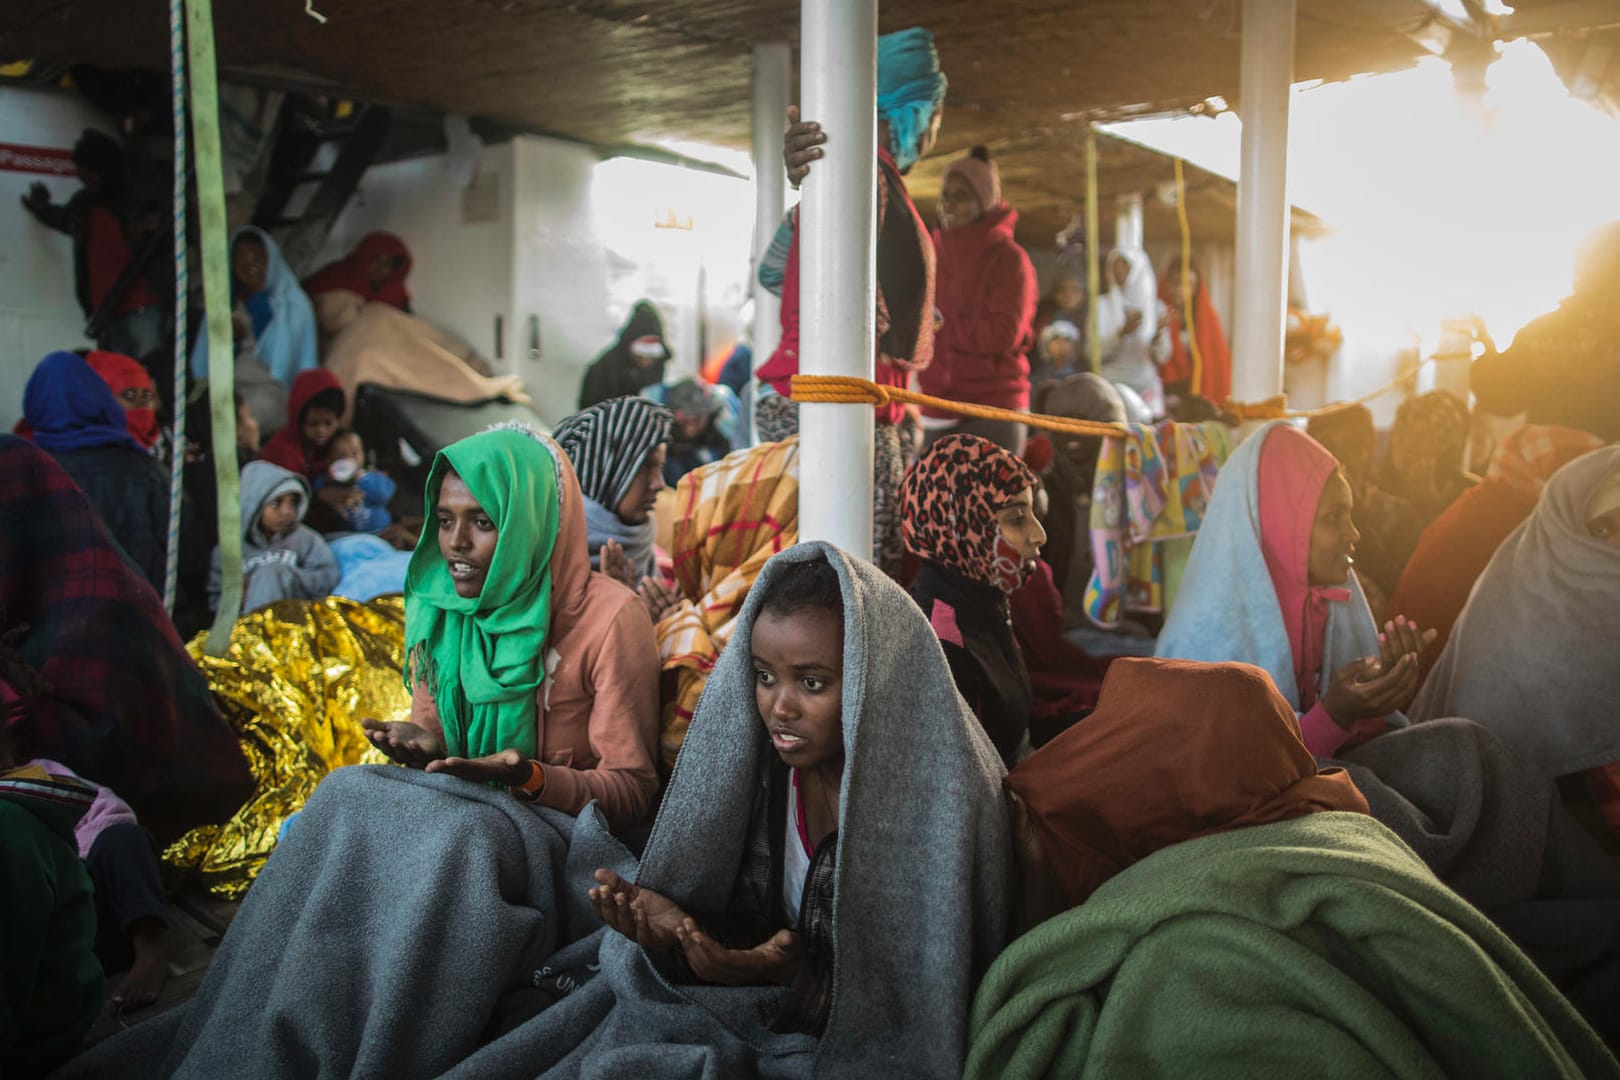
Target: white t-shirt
(796, 854)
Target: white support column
(1260, 303)
(1128, 231)
(838, 267)
(773, 70)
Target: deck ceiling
(1024, 76)
(1581, 37)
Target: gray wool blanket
(404, 920)
(1534, 655)
(920, 902)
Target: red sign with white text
(44, 160)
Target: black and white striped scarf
(609, 442)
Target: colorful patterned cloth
(777, 417)
(732, 516)
(1147, 502)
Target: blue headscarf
(910, 87)
(286, 344)
(69, 407)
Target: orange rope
(849, 390)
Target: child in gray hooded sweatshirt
(282, 558)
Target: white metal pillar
(838, 267)
(773, 70)
(1128, 231)
(1260, 304)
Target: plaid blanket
(124, 705)
(732, 516)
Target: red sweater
(987, 296)
(107, 253)
(1451, 555)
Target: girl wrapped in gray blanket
(830, 748)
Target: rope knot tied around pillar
(850, 390)
(839, 390)
(1272, 408)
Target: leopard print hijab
(948, 506)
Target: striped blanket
(731, 517)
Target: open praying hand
(775, 961)
(657, 597)
(645, 917)
(654, 921)
(1376, 686)
(1401, 637)
(613, 563)
(508, 767)
(404, 742)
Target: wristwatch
(531, 788)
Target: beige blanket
(378, 343)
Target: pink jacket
(106, 810)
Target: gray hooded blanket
(920, 901)
(1535, 656)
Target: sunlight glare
(1438, 209)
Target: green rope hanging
(217, 302)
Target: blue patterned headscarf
(910, 87)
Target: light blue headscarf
(910, 87)
(1227, 608)
(287, 344)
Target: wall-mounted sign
(45, 160)
(672, 220)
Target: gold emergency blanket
(297, 679)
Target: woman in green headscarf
(526, 668)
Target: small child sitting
(315, 408)
(282, 558)
(366, 492)
(1058, 351)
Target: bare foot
(144, 982)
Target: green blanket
(1318, 947)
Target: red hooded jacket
(353, 272)
(987, 296)
(286, 447)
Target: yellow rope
(1186, 283)
(849, 390)
(1093, 238)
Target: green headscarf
(484, 658)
